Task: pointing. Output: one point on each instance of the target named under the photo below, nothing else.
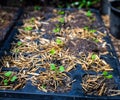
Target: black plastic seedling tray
(76, 92)
(5, 32)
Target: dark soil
(81, 45)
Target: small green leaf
(93, 56)
(8, 74)
(105, 73)
(52, 67)
(61, 12)
(61, 69)
(19, 43)
(109, 76)
(28, 28)
(96, 40)
(62, 20)
(92, 31)
(5, 82)
(43, 86)
(56, 30)
(37, 7)
(89, 13)
(86, 28)
(13, 78)
(52, 51)
(58, 41)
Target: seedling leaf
(56, 30)
(58, 41)
(19, 43)
(37, 7)
(61, 12)
(8, 74)
(28, 28)
(93, 56)
(52, 67)
(52, 51)
(89, 13)
(105, 73)
(62, 20)
(109, 76)
(61, 69)
(5, 82)
(13, 78)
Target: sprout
(28, 28)
(52, 51)
(8, 74)
(61, 69)
(56, 30)
(52, 67)
(89, 13)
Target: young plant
(37, 7)
(56, 30)
(92, 31)
(56, 69)
(59, 41)
(107, 75)
(52, 51)
(94, 56)
(61, 12)
(62, 20)
(88, 13)
(10, 78)
(19, 43)
(28, 28)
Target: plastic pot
(115, 18)
(105, 7)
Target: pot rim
(112, 7)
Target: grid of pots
(65, 51)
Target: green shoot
(56, 30)
(61, 12)
(28, 28)
(89, 13)
(86, 28)
(105, 73)
(61, 69)
(52, 51)
(96, 40)
(32, 19)
(59, 41)
(19, 43)
(93, 56)
(37, 7)
(109, 76)
(13, 78)
(43, 86)
(5, 82)
(8, 74)
(52, 67)
(92, 31)
(61, 20)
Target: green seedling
(56, 30)
(32, 19)
(28, 28)
(13, 79)
(107, 75)
(94, 56)
(52, 67)
(86, 28)
(5, 82)
(61, 12)
(8, 74)
(89, 13)
(96, 40)
(61, 20)
(59, 41)
(92, 31)
(19, 43)
(37, 7)
(52, 51)
(61, 68)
